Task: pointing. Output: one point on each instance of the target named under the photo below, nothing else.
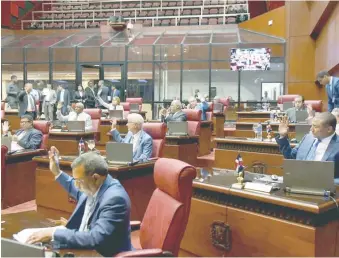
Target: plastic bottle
(259, 132)
(81, 147)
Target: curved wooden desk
(253, 116)
(247, 223)
(245, 129)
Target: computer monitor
(12, 248)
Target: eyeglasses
(22, 122)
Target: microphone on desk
(324, 193)
(12, 152)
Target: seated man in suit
(174, 113)
(335, 112)
(26, 137)
(299, 105)
(142, 142)
(101, 219)
(322, 144)
(216, 100)
(76, 115)
(200, 104)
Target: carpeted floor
(27, 206)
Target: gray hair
(135, 119)
(79, 104)
(176, 102)
(335, 112)
(92, 162)
(327, 119)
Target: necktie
(76, 117)
(31, 101)
(311, 154)
(87, 213)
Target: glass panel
(168, 52)
(271, 90)
(140, 53)
(195, 77)
(90, 73)
(7, 70)
(196, 52)
(64, 74)
(116, 53)
(225, 38)
(222, 52)
(89, 54)
(64, 55)
(112, 77)
(37, 72)
(197, 40)
(224, 83)
(36, 55)
(250, 83)
(10, 55)
(140, 81)
(255, 37)
(167, 81)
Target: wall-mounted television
(250, 59)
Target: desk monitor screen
(177, 128)
(7, 141)
(118, 114)
(120, 153)
(309, 175)
(134, 108)
(301, 130)
(218, 108)
(301, 116)
(287, 105)
(76, 126)
(11, 248)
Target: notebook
(119, 153)
(177, 128)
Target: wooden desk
(218, 124)
(19, 178)
(13, 118)
(183, 148)
(68, 142)
(260, 224)
(205, 138)
(16, 222)
(137, 181)
(245, 129)
(261, 156)
(106, 125)
(253, 116)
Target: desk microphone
(324, 193)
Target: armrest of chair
(145, 253)
(135, 224)
(155, 158)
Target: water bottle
(259, 132)
(81, 147)
(271, 116)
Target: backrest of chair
(167, 213)
(95, 114)
(42, 126)
(135, 101)
(225, 101)
(194, 121)
(125, 106)
(158, 133)
(3, 105)
(209, 112)
(286, 98)
(2, 114)
(317, 105)
(4, 150)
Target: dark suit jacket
(301, 151)
(116, 93)
(12, 93)
(23, 103)
(90, 97)
(78, 98)
(109, 224)
(177, 117)
(31, 140)
(67, 98)
(333, 96)
(104, 93)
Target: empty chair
(206, 11)
(107, 6)
(100, 15)
(204, 21)
(213, 21)
(147, 23)
(115, 6)
(188, 3)
(214, 11)
(196, 11)
(194, 21)
(173, 22)
(197, 3)
(42, 126)
(67, 16)
(184, 22)
(156, 4)
(187, 12)
(95, 114)
(126, 14)
(152, 13)
(158, 133)
(214, 2)
(148, 5)
(220, 20)
(77, 15)
(143, 14)
(172, 3)
(231, 20)
(161, 13)
(165, 22)
(164, 4)
(157, 23)
(131, 5)
(169, 13)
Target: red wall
(5, 13)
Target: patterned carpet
(27, 206)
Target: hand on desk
(5, 127)
(53, 166)
(44, 235)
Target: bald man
(174, 114)
(76, 115)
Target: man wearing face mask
(76, 115)
(101, 219)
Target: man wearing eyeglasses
(26, 137)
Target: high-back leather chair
(194, 121)
(4, 151)
(95, 114)
(43, 126)
(158, 133)
(286, 98)
(317, 105)
(3, 105)
(135, 101)
(209, 112)
(126, 107)
(167, 213)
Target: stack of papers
(23, 235)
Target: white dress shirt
(30, 103)
(62, 95)
(89, 208)
(322, 147)
(136, 140)
(73, 116)
(109, 106)
(14, 145)
(337, 129)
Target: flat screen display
(250, 59)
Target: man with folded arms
(101, 219)
(142, 142)
(76, 115)
(26, 137)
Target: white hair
(176, 102)
(191, 99)
(335, 112)
(80, 105)
(135, 119)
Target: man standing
(64, 97)
(76, 115)
(27, 103)
(115, 92)
(12, 92)
(91, 94)
(102, 92)
(49, 102)
(174, 114)
(332, 89)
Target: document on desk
(23, 235)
